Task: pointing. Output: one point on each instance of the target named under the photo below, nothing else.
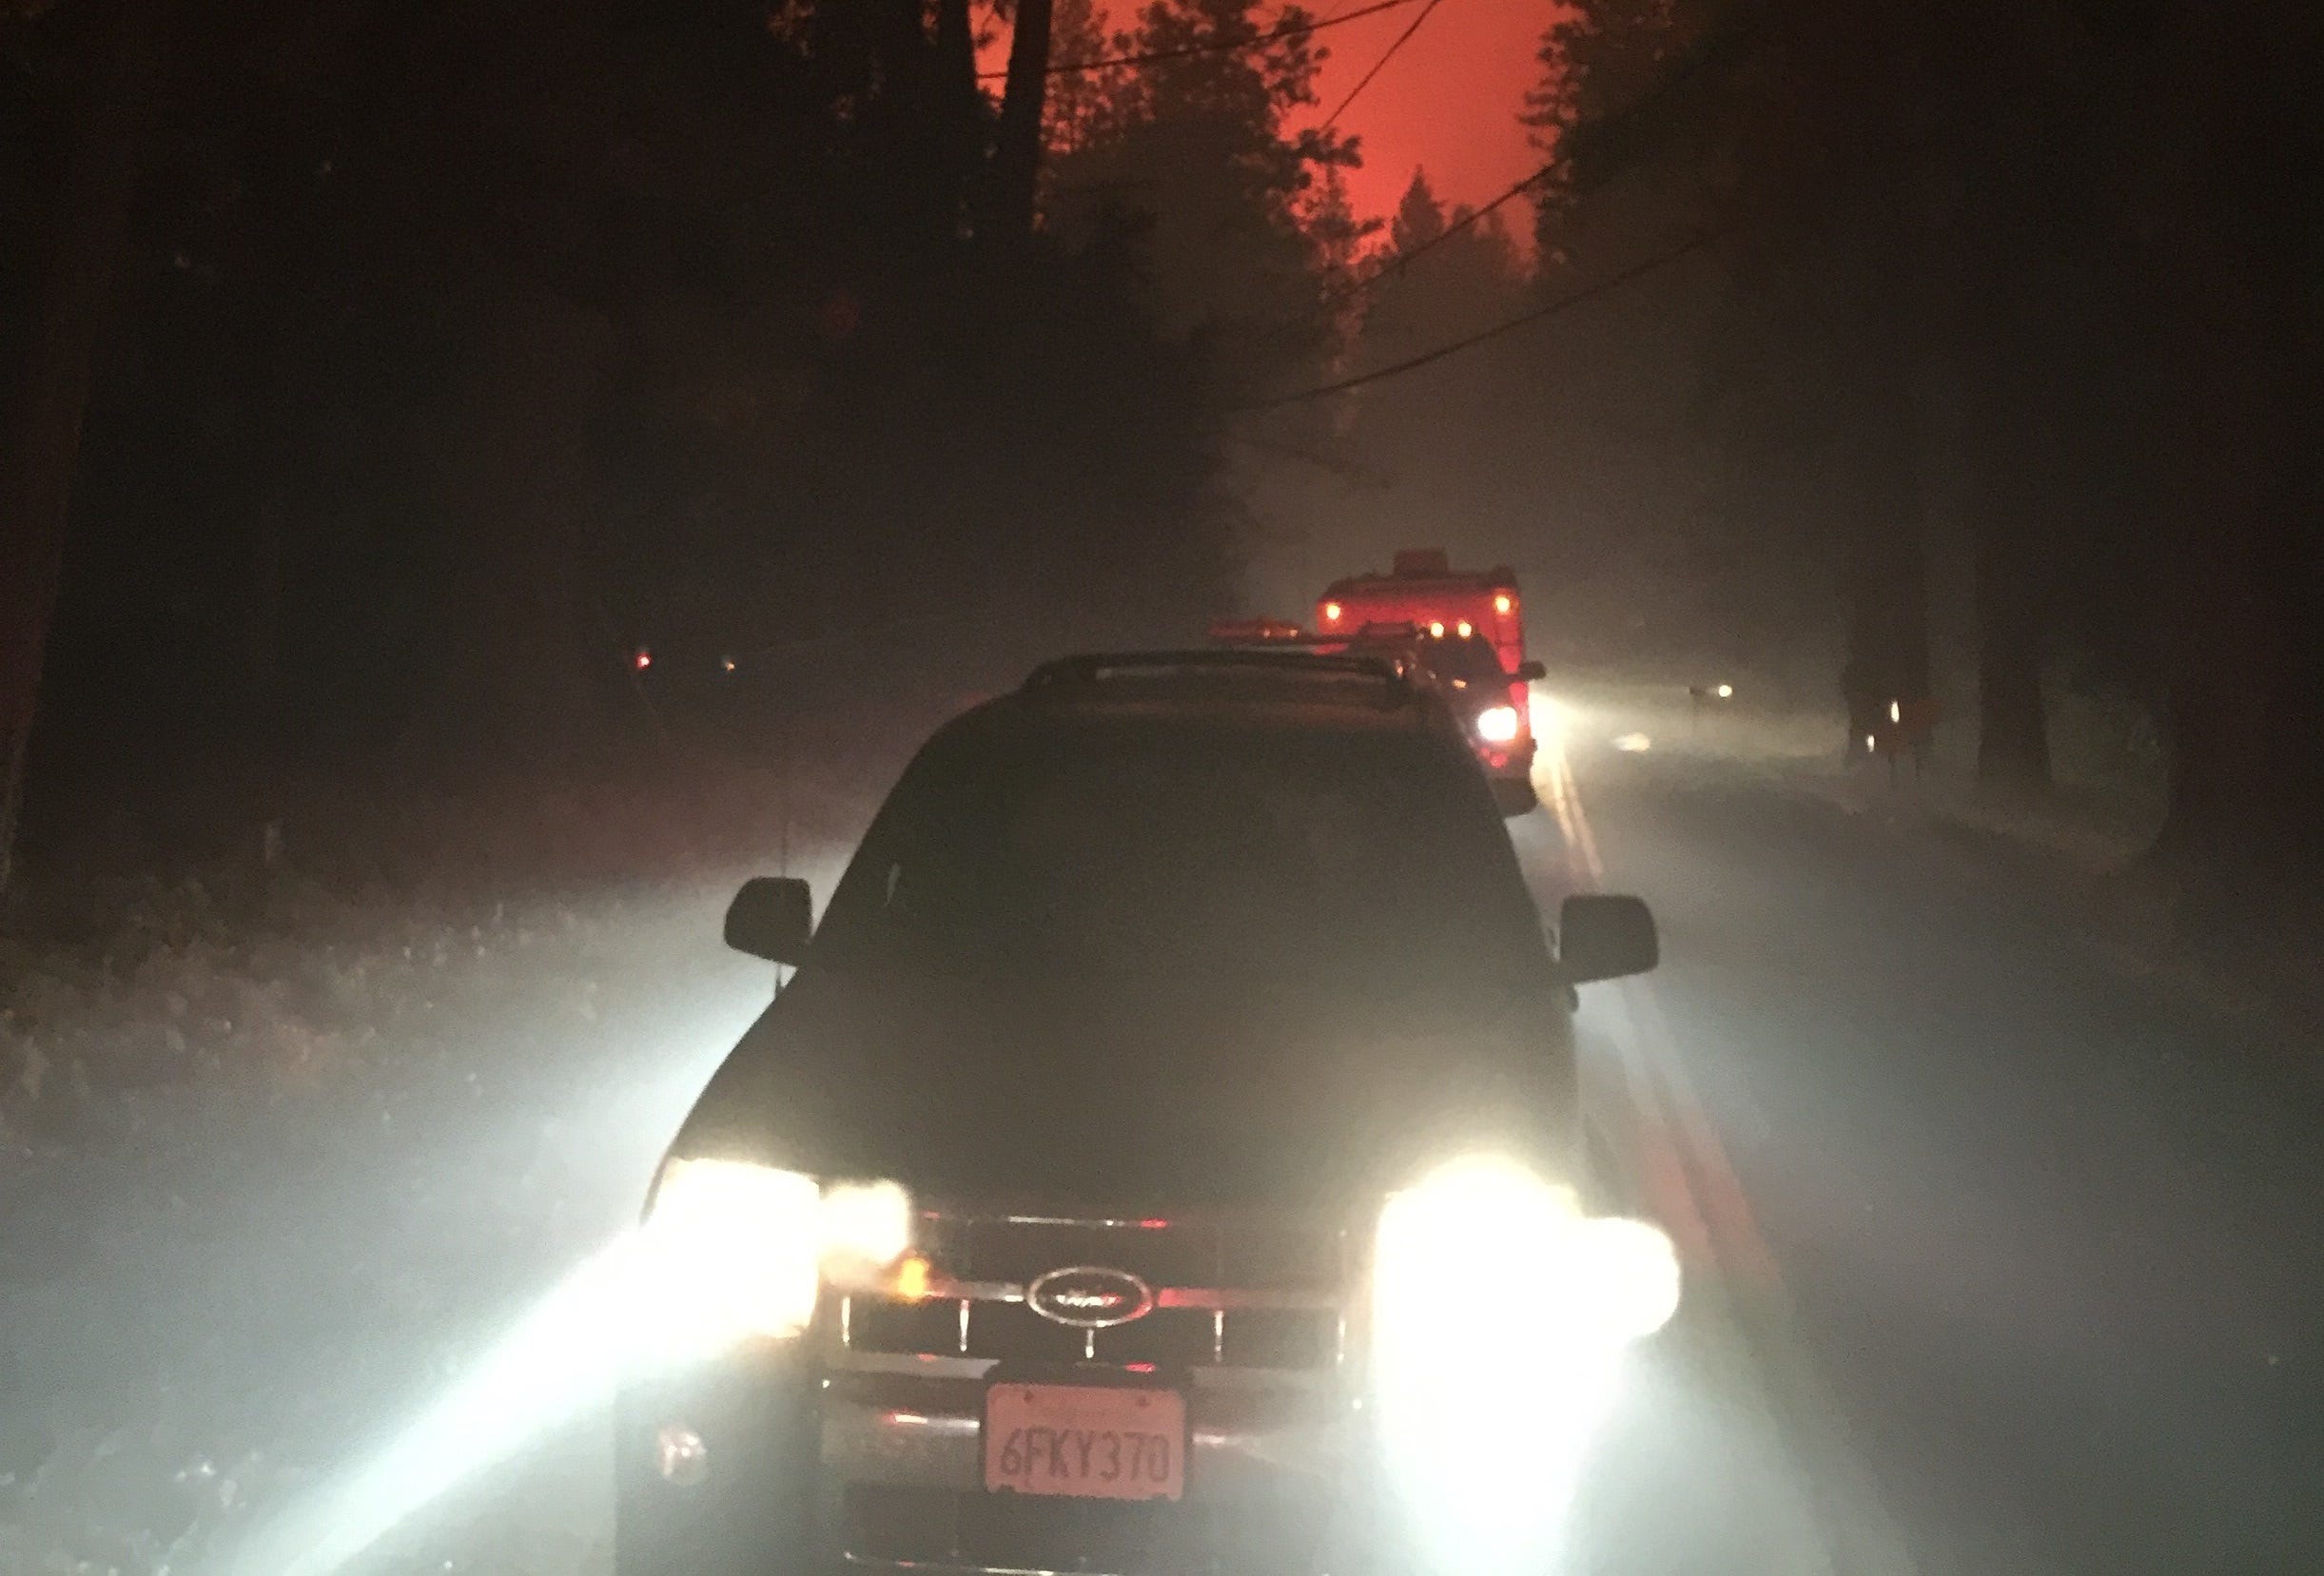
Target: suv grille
(1227, 1295)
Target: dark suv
(1044, 1222)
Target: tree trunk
(2013, 744)
(955, 54)
(1888, 630)
(42, 440)
(1016, 152)
(516, 473)
(2227, 638)
(959, 105)
(899, 40)
(2007, 318)
(262, 633)
(1888, 571)
(2235, 283)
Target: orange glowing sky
(1447, 103)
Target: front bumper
(1243, 1443)
(861, 1444)
(1271, 1476)
(807, 1467)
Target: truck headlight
(742, 1250)
(1498, 724)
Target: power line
(1217, 46)
(1714, 49)
(1571, 299)
(1660, 92)
(1398, 263)
(1402, 39)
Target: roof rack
(1096, 667)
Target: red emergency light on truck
(1425, 590)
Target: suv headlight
(742, 1250)
(1477, 1235)
(1487, 1233)
(1498, 1315)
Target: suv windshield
(1304, 853)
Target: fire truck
(1425, 590)
(1466, 630)
(1467, 611)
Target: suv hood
(1071, 1096)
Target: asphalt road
(2004, 1256)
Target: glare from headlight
(1498, 724)
(1485, 1438)
(865, 1227)
(744, 1248)
(1550, 717)
(1632, 1271)
(1493, 1222)
(739, 1247)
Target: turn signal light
(912, 1281)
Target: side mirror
(771, 918)
(1529, 672)
(1514, 797)
(1606, 938)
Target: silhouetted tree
(40, 447)
(1016, 164)
(2224, 149)
(2080, 225)
(474, 351)
(1200, 152)
(1076, 98)
(1419, 220)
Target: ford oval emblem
(1091, 1298)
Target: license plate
(1086, 1441)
